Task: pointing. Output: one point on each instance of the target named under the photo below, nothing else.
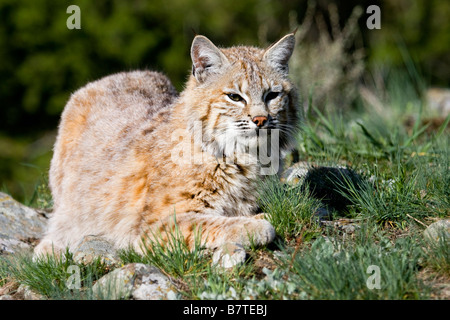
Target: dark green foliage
(43, 61)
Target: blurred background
(338, 62)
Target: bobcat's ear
(278, 54)
(206, 58)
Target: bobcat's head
(241, 94)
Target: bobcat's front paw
(45, 248)
(229, 255)
(260, 232)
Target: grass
(438, 255)
(173, 256)
(290, 209)
(51, 276)
(336, 270)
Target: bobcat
(115, 173)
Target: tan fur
(113, 175)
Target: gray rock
(134, 281)
(438, 100)
(296, 173)
(438, 229)
(18, 221)
(18, 224)
(29, 294)
(322, 214)
(12, 245)
(346, 226)
(229, 255)
(93, 247)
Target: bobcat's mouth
(245, 127)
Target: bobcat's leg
(216, 230)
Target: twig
(418, 221)
(298, 241)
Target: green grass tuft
(52, 276)
(336, 270)
(173, 256)
(290, 209)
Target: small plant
(42, 196)
(438, 254)
(387, 201)
(169, 251)
(289, 208)
(49, 275)
(218, 284)
(331, 269)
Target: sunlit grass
(50, 276)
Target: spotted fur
(116, 170)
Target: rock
(8, 288)
(134, 281)
(323, 214)
(438, 100)
(92, 247)
(29, 294)
(18, 221)
(12, 245)
(296, 173)
(346, 226)
(229, 255)
(18, 224)
(438, 229)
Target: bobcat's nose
(259, 121)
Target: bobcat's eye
(235, 97)
(271, 95)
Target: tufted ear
(206, 58)
(278, 54)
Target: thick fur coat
(132, 157)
